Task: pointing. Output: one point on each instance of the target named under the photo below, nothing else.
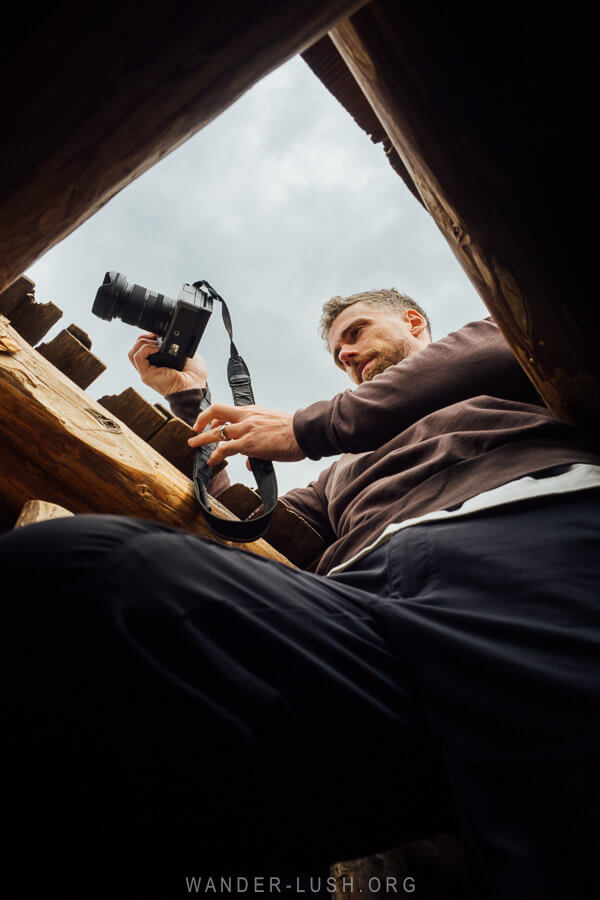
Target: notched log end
(8, 344)
(40, 511)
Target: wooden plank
(172, 442)
(81, 335)
(155, 424)
(58, 443)
(292, 536)
(33, 320)
(14, 293)
(139, 415)
(73, 358)
(40, 511)
(163, 410)
(161, 78)
(287, 531)
(240, 499)
(490, 132)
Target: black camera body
(179, 324)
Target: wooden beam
(17, 291)
(40, 511)
(73, 357)
(131, 408)
(59, 444)
(33, 320)
(111, 94)
(492, 132)
(287, 531)
(172, 442)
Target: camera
(179, 324)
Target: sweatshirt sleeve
(187, 405)
(471, 362)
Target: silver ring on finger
(224, 433)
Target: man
(438, 672)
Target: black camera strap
(238, 377)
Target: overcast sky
(280, 203)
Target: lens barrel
(133, 304)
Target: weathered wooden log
(141, 416)
(163, 410)
(33, 320)
(110, 95)
(172, 442)
(490, 131)
(81, 335)
(17, 291)
(157, 425)
(287, 531)
(71, 355)
(40, 511)
(59, 444)
(240, 499)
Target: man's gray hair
(389, 298)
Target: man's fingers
(140, 341)
(214, 434)
(143, 347)
(225, 449)
(251, 430)
(222, 413)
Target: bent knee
(65, 548)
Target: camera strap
(238, 377)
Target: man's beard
(384, 358)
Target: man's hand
(161, 378)
(251, 430)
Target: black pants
(179, 709)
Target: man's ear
(416, 322)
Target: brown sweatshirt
(456, 419)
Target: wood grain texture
(40, 511)
(292, 536)
(287, 531)
(490, 131)
(59, 444)
(172, 442)
(73, 358)
(14, 293)
(81, 335)
(139, 415)
(112, 94)
(34, 320)
(240, 499)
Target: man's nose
(347, 355)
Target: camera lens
(133, 304)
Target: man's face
(366, 339)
